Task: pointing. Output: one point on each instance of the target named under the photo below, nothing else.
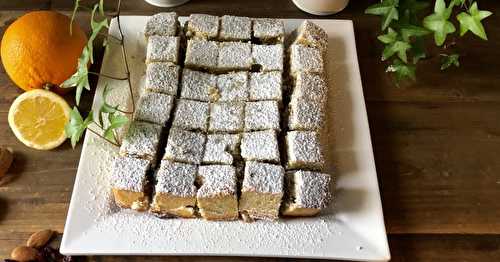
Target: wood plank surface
(436, 142)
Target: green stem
(99, 135)
(107, 76)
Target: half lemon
(38, 117)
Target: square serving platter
(351, 228)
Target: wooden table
(436, 142)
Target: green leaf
(96, 27)
(388, 9)
(388, 38)
(115, 121)
(76, 126)
(105, 107)
(399, 47)
(471, 21)
(394, 45)
(80, 79)
(449, 60)
(408, 31)
(401, 70)
(438, 22)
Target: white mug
(166, 3)
(321, 7)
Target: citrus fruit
(38, 49)
(38, 117)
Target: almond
(6, 158)
(22, 253)
(40, 238)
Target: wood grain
(436, 142)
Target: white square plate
(352, 228)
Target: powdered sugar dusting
(197, 85)
(260, 146)
(162, 78)
(263, 178)
(217, 180)
(163, 49)
(310, 189)
(265, 86)
(262, 115)
(304, 150)
(226, 117)
(203, 26)
(142, 140)
(305, 114)
(305, 59)
(268, 29)
(312, 35)
(235, 56)
(154, 108)
(176, 179)
(269, 57)
(235, 28)
(130, 173)
(162, 24)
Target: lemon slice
(38, 117)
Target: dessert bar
(233, 86)
(226, 117)
(175, 190)
(268, 57)
(303, 150)
(307, 193)
(262, 190)
(163, 49)
(260, 146)
(268, 30)
(202, 26)
(198, 85)
(234, 56)
(129, 182)
(262, 115)
(185, 146)
(191, 115)
(162, 78)
(221, 148)
(311, 87)
(311, 35)
(305, 114)
(202, 54)
(141, 141)
(305, 59)
(154, 108)
(234, 28)
(216, 197)
(164, 24)
(265, 86)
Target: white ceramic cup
(321, 7)
(166, 3)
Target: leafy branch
(405, 34)
(116, 118)
(77, 124)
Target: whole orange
(39, 49)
